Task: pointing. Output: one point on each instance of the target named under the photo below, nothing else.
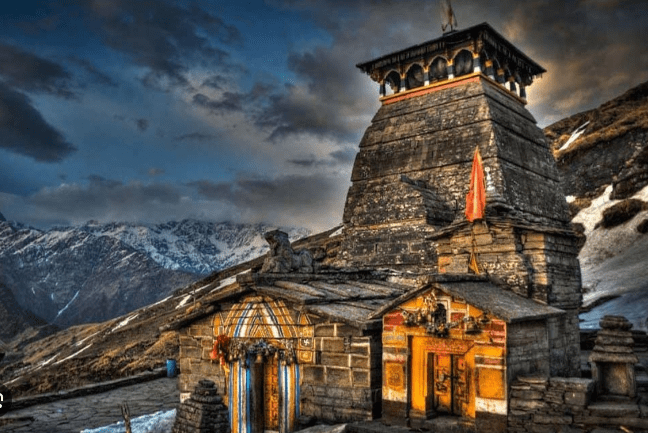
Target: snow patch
(158, 302)
(570, 199)
(577, 133)
(158, 422)
(183, 302)
(67, 305)
(124, 322)
(73, 355)
(79, 343)
(226, 282)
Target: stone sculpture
(282, 259)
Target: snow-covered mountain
(602, 155)
(193, 246)
(94, 272)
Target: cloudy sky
(152, 110)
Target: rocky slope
(95, 272)
(602, 155)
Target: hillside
(602, 155)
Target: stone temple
(415, 308)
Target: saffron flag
(476, 198)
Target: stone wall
(539, 404)
(527, 349)
(196, 341)
(344, 384)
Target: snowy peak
(193, 246)
(71, 275)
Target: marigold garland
(220, 349)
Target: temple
(419, 306)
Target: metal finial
(447, 16)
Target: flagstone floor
(76, 414)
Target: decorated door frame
(263, 334)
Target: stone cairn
(202, 412)
(613, 358)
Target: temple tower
(441, 99)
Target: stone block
(527, 394)
(330, 344)
(576, 398)
(334, 359)
(361, 378)
(190, 352)
(325, 330)
(552, 419)
(313, 374)
(344, 330)
(362, 361)
(337, 376)
(530, 405)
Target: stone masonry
(345, 382)
(202, 412)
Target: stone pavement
(97, 410)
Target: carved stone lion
(282, 259)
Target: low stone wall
(540, 404)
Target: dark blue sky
(150, 111)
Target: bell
(259, 358)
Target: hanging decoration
(220, 349)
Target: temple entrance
(450, 383)
(264, 398)
(439, 381)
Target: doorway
(450, 384)
(264, 396)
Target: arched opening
(463, 63)
(415, 76)
(438, 70)
(393, 83)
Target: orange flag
(476, 198)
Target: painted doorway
(450, 384)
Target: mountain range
(94, 272)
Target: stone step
(614, 409)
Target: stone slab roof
(501, 303)
(341, 297)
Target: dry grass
(621, 212)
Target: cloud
(98, 76)
(163, 37)
(338, 157)
(24, 131)
(101, 199)
(142, 124)
(28, 72)
(314, 201)
(229, 102)
(154, 171)
(197, 136)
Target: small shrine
(613, 359)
